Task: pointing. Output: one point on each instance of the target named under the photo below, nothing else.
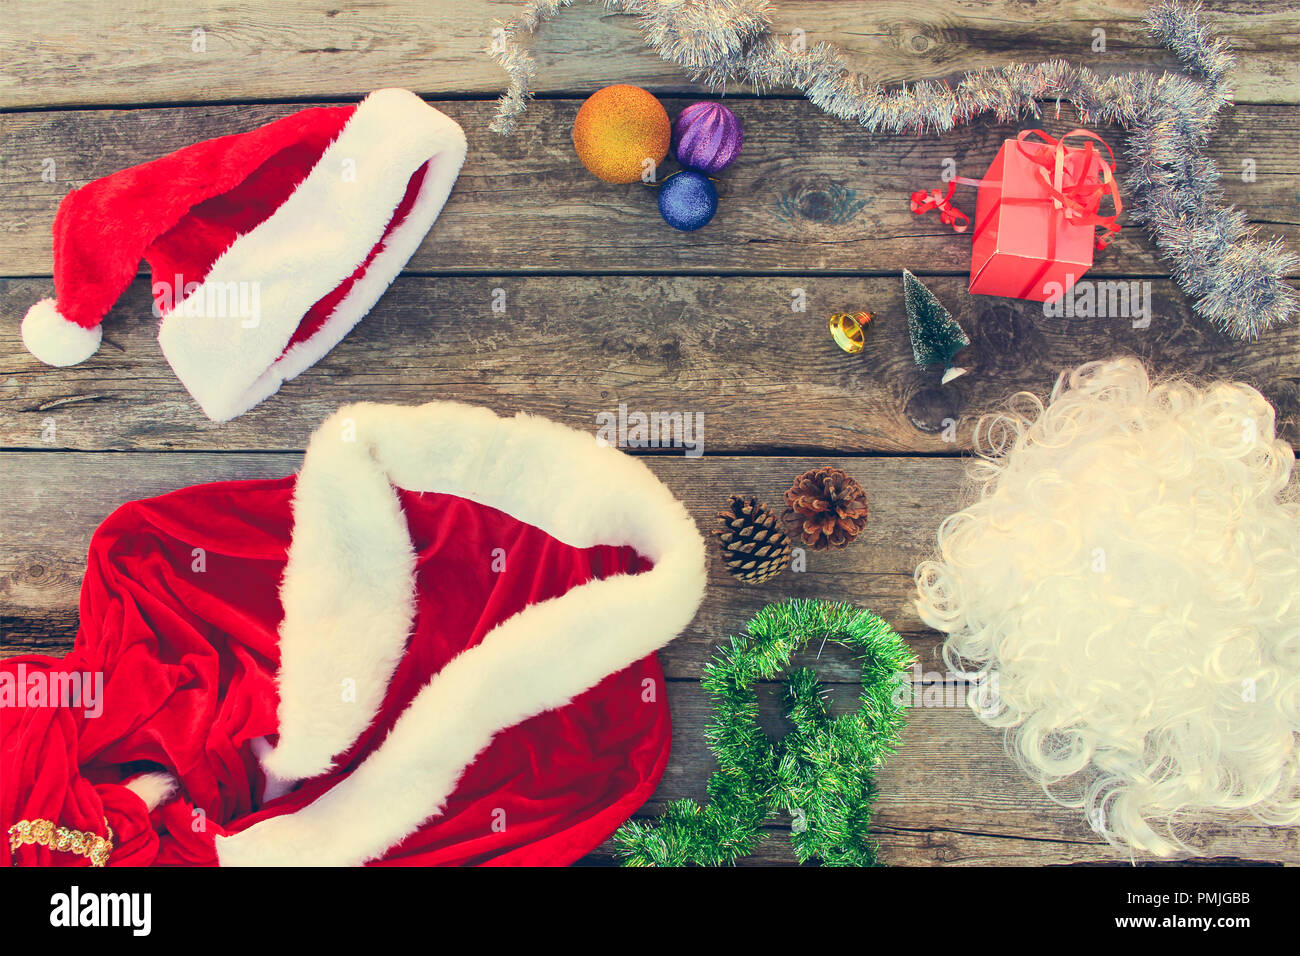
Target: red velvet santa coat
(435, 645)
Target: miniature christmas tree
(936, 336)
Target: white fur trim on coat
(154, 788)
(302, 251)
(348, 597)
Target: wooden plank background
(606, 305)
(77, 52)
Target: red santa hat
(266, 247)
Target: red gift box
(1035, 216)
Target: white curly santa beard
(1127, 582)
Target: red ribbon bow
(949, 215)
(1079, 201)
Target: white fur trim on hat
(56, 340)
(300, 253)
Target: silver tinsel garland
(1236, 280)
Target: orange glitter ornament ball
(618, 129)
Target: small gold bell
(849, 330)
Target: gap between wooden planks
(809, 205)
(810, 193)
(55, 501)
(767, 379)
(950, 796)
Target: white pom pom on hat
(57, 340)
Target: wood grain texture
(764, 377)
(809, 193)
(607, 306)
(54, 501)
(83, 52)
(950, 796)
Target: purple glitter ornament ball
(707, 137)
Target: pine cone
(754, 548)
(827, 509)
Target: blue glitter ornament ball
(687, 200)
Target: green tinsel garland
(822, 772)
